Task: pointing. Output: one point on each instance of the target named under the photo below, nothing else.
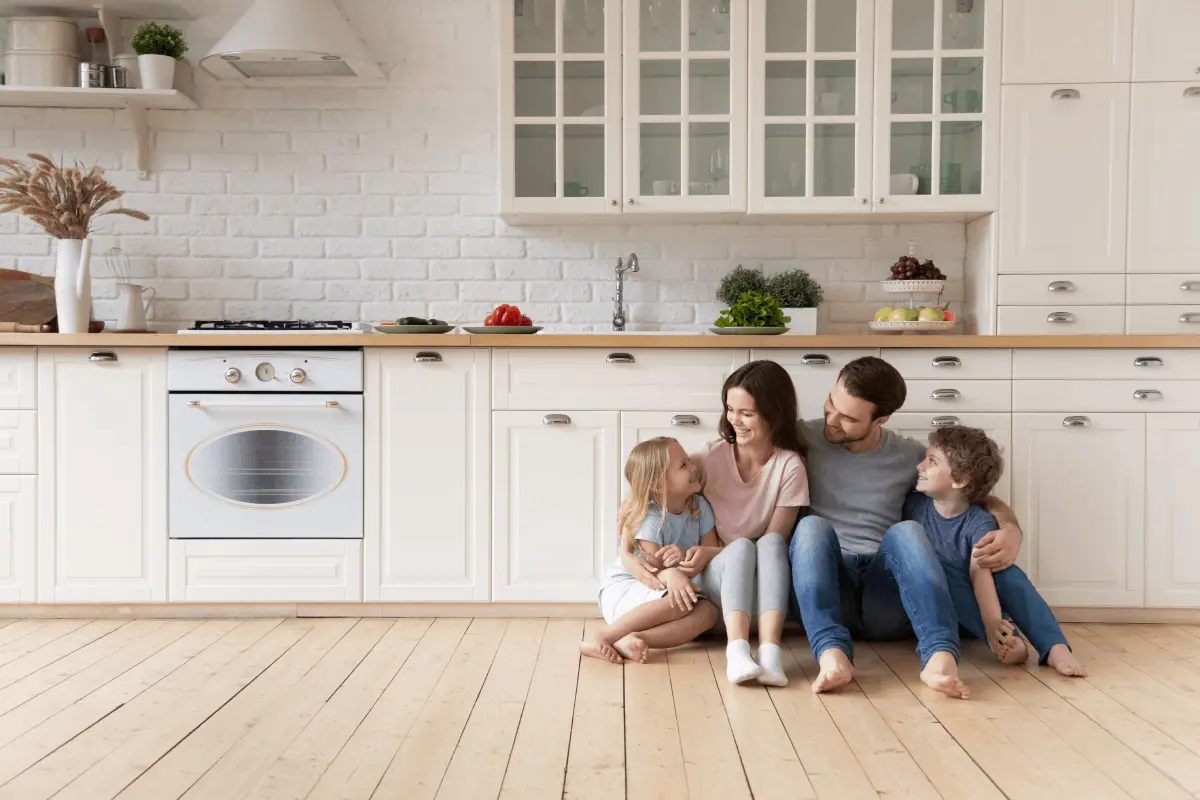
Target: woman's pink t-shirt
(743, 508)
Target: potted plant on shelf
(63, 201)
(158, 47)
(799, 295)
(739, 281)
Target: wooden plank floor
(487, 708)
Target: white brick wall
(373, 203)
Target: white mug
(132, 304)
(701, 187)
(666, 187)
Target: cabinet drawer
(18, 442)
(1179, 289)
(951, 365)
(1064, 320)
(948, 396)
(18, 377)
(1163, 319)
(1054, 290)
(265, 570)
(1136, 365)
(611, 379)
(1112, 396)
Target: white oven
(266, 445)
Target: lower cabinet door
(18, 538)
(693, 430)
(1172, 525)
(996, 426)
(1079, 490)
(265, 570)
(555, 495)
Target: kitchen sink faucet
(619, 300)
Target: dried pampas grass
(63, 200)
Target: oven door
(266, 466)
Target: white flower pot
(157, 72)
(804, 321)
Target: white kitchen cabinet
(814, 373)
(693, 430)
(1166, 40)
(1078, 488)
(102, 493)
(1065, 178)
(997, 426)
(1069, 41)
(1164, 177)
(18, 442)
(266, 570)
(555, 496)
(18, 377)
(18, 538)
(428, 509)
(1172, 526)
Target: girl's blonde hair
(646, 474)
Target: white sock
(739, 665)
(771, 661)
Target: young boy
(960, 469)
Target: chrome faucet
(619, 300)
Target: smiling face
(849, 419)
(934, 476)
(749, 426)
(683, 476)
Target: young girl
(664, 522)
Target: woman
(756, 483)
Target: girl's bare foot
(836, 671)
(1063, 660)
(632, 647)
(597, 648)
(941, 675)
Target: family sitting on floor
(863, 532)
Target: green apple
(883, 314)
(901, 315)
(931, 315)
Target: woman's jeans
(871, 596)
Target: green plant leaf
(753, 310)
(157, 39)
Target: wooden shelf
(73, 97)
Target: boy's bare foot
(836, 671)
(1016, 653)
(632, 647)
(1063, 660)
(941, 675)
(597, 648)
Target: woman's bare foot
(632, 647)
(1016, 653)
(941, 675)
(1063, 660)
(597, 648)
(836, 671)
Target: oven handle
(326, 404)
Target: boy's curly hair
(972, 456)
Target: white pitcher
(132, 305)
(73, 285)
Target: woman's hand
(696, 559)
(670, 555)
(642, 572)
(680, 590)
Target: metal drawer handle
(1190, 286)
(428, 358)
(816, 360)
(1148, 361)
(1077, 422)
(1191, 316)
(102, 358)
(1060, 286)
(943, 422)
(1060, 317)
(620, 358)
(685, 419)
(946, 394)
(1191, 91)
(947, 361)
(1064, 94)
(283, 406)
(1147, 394)
(556, 419)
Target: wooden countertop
(604, 340)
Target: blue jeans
(1019, 601)
(889, 595)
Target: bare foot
(632, 647)
(595, 648)
(1063, 660)
(836, 671)
(941, 675)
(1016, 653)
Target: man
(856, 568)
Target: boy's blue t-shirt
(683, 530)
(953, 538)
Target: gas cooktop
(271, 326)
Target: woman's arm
(783, 520)
(998, 549)
(637, 567)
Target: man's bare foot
(1063, 660)
(632, 647)
(597, 648)
(836, 671)
(941, 675)
(1016, 653)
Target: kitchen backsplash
(373, 203)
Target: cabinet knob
(1077, 422)
(816, 360)
(947, 361)
(631, 201)
(298, 376)
(620, 358)
(1060, 286)
(1191, 316)
(882, 200)
(556, 419)
(102, 358)
(864, 201)
(685, 419)
(1065, 94)
(1147, 394)
(1190, 286)
(1148, 361)
(946, 394)
(1060, 317)
(428, 358)
(1192, 91)
(944, 422)
(233, 375)
(613, 203)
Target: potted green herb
(158, 47)
(799, 295)
(753, 310)
(739, 281)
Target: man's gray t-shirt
(861, 494)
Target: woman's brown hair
(774, 395)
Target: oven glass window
(266, 467)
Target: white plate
(898, 327)
(913, 287)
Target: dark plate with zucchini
(415, 325)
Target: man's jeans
(871, 596)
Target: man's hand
(670, 555)
(679, 589)
(998, 549)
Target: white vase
(157, 72)
(804, 321)
(73, 285)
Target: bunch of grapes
(909, 269)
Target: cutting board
(26, 299)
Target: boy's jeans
(1020, 602)
(867, 596)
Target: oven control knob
(298, 376)
(233, 375)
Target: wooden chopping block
(26, 299)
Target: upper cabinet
(1072, 41)
(1166, 40)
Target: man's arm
(998, 549)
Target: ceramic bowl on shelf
(913, 287)
(481, 330)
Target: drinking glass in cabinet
(912, 24)
(912, 85)
(534, 167)
(834, 85)
(833, 160)
(661, 157)
(534, 89)
(708, 148)
(583, 26)
(661, 26)
(961, 162)
(835, 27)
(661, 88)
(912, 149)
(708, 86)
(534, 26)
(962, 30)
(708, 25)
(786, 87)
(787, 26)
(583, 89)
(784, 161)
(962, 85)
(583, 160)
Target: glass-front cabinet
(560, 132)
(937, 105)
(810, 105)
